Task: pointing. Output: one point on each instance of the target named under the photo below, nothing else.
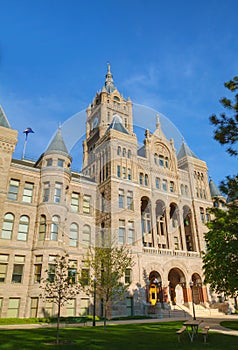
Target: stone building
(153, 198)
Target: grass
(230, 324)
(145, 336)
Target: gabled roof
(117, 125)
(57, 144)
(214, 190)
(3, 119)
(185, 151)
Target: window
(176, 243)
(124, 172)
(60, 162)
(119, 150)
(146, 180)
(3, 267)
(86, 204)
(34, 307)
(49, 162)
(166, 162)
(13, 307)
(85, 275)
(38, 269)
(164, 185)
(51, 269)
(130, 200)
(124, 152)
(46, 191)
(202, 216)
(27, 192)
(73, 235)
(72, 271)
(171, 186)
(141, 179)
(130, 234)
(71, 308)
(121, 197)
(118, 171)
(129, 153)
(129, 173)
(157, 182)
(54, 228)
(23, 228)
(121, 231)
(102, 202)
(207, 215)
(18, 269)
(161, 160)
(57, 192)
(128, 276)
(42, 228)
(7, 226)
(86, 235)
(13, 189)
(75, 202)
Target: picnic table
(192, 328)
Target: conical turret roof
(57, 144)
(213, 189)
(185, 151)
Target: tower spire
(109, 84)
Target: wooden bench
(205, 333)
(180, 331)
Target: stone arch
(197, 289)
(177, 286)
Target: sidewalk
(213, 323)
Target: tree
(105, 267)
(221, 258)
(226, 126)
(60, 286)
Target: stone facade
(153, 199)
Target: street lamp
(191, 286)
(94, 301)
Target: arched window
(42, 228)
(54, 228)
(23, 228)
(73, 235)
(86, 235)
(124, 152)
(119, 150)
(129, 153)
(7, 226)
(146, 180)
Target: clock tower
(100, 113)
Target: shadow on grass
(117, 337)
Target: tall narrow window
(23, 228)
(75, 202)
(161, 160)
(128, 276)
(86, 204)
(46, 192)
(124, 152)
(146, 180)
(86, 235)
(164, 185)
(3, 267)
(38, 268)
(130, 200)
(57, 192)
(7, 227)
(42, 228)
(202, 216)
(34, 307)
(124, 172)
(119, 150)
(176, 243)
(121, 198)
(102, 202)
(18, 269)
(73, 235)
(157, 182)
(51, 269)
(54, 228)
(27, 192)
(141, 178)
(171, 186)
(13, 189)
(118, 171)
(130, 233)
(72, 271)
(129, 173)
(121, 232)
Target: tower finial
(109, 84)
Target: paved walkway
(212, 322)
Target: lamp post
(94, 301)
(191, 286)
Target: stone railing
(156, 251)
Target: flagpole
(26, 131)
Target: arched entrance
(177, 286)
(155, 288)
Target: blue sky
(172, 56)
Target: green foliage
(221, 258)
(226, 125)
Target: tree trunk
(58, 324)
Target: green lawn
(117, 337)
